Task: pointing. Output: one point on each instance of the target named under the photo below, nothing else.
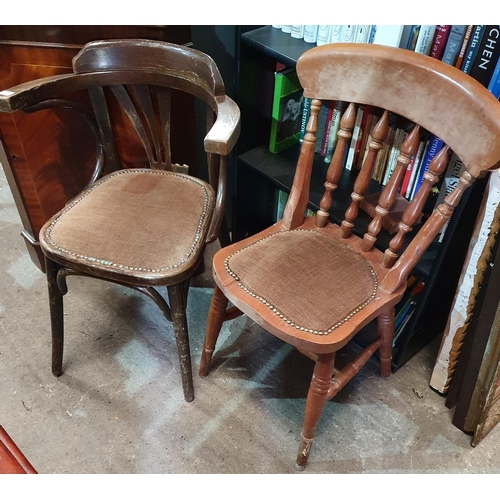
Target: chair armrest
(223, 135)
(29, 93)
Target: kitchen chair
(314, 283)
(138, 227)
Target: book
(297, 31)
(336, 33)
(323, 36)
(494, 84)
(282, 198)
(310, 33)
(424, 40)
(414, 162)
(433, 147)
(367, 124)
(286, 28)
(393, 155)
(380, 163)
(439, 42)
(306, 111)
(451, 176)
(354, 138)
(338, 109)
(487, 55)
(416, 167)
(286, 111)
(386, 34)
(463, 47)
(413, 36)
(349, 33)
(322, 115)
(362, 33)
(328, 124)
(472, 48)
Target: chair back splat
(315, 282)
(142, 220)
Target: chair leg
(214, 324)
(385, 327)
(56, 316)
(176, 295)
(316, 399)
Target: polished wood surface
(44, 174)
(445, 102)
(12, 459)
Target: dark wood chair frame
(126, 68)
(433, 96)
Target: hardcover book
(287, 110)
(425, 37)
(440, 38)
(472, 48)
(487, 55)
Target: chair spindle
(388, 195)
(410, 215)
(335, 168)
(378, 134)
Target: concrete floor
(119, 408)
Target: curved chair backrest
(433, 98)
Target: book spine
(336, 33)
(354, 138)
(454, 170)
(323, 34)
(297, 31)
(306, 110)
(334, 128)
(440, 38)
(349, 33)
(487, 56)
(362, 33)
(465, 42)
(413, 36)
(310, 33)
(391, 164)
(424, 41)
(494, 85)
(323, 112)
(413, 174)
(408, 171)
(386, 34)
(472, 48)
(435, 144)
(328, 126)
(286, 28)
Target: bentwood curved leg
(215, 319)
(177, 298)
(56, 316)
(316, 399)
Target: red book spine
(439, 42)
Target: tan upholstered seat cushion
(141, 220)
(309, 278)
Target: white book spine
(297, 31)
(336, 33)
(310, 33)
(349, 33)
(323, 34)
(286, 28)
(424, 40)
(363, 33)
(354, 138)
(388, 34)
(413, 174)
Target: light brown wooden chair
(139, 227)
(316, 284)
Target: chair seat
(150, 222)
(310, 279)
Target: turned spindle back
(432, 98)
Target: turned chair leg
(316, 399)
(385, 327)
(177, 298)
(214, 323)
(56, 316)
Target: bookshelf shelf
(260, 171)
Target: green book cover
(287, 110)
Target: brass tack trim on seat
(123, 266)
(279, 313)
